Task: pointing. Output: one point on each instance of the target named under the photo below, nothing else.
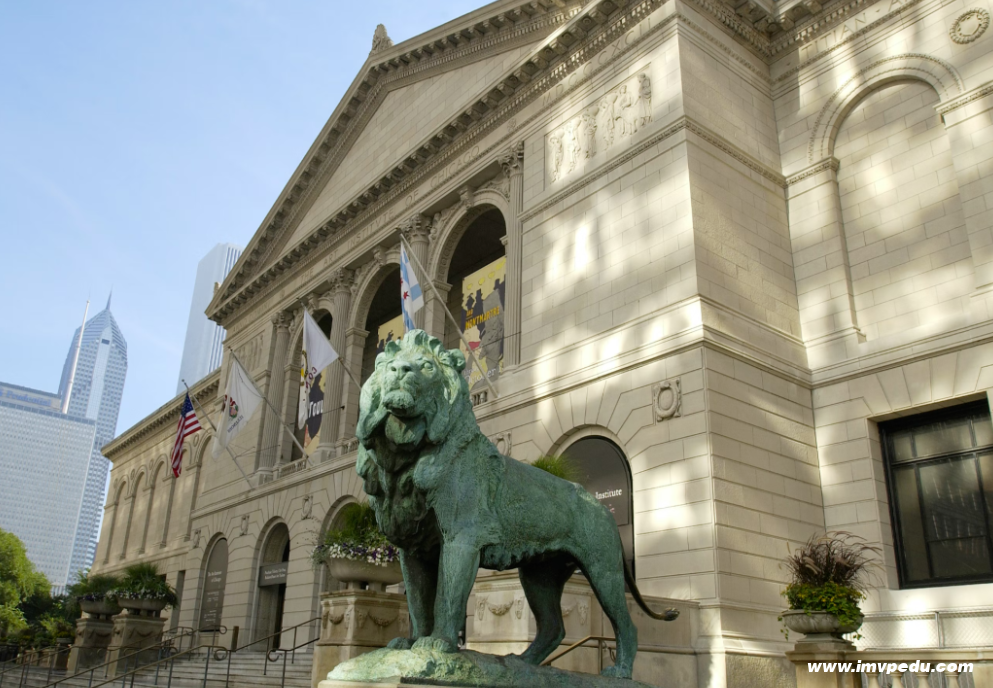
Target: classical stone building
(748, 273)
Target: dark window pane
(903, 447)
(952, 501)
(984, 431)
(957, 558)
(986, 468)
(911, 527)
(943, 437)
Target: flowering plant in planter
(358, 539)
(92, 587)
(829, 576)
(144, 582)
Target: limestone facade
(738, 238)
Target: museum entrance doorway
(272, 584)
(604, 472)
(214, 578)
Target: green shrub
(358, 538)
(92, 588)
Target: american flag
(188, 424)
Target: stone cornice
(966, 98)
(167, 414)
(558, 56)
(445, 45)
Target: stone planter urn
(818, 626)
(353, 573)
(141, 607)
(100, 609)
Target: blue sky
(134, 136)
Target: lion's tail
(668, 615)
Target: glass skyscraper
(96, 395)
(204, 346)
(45, 459)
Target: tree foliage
(19, 582)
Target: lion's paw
(400, 644)
(616, 672)
(438, 644)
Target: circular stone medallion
(970, 26)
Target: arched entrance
(477, 298)
(605, 473)
(215, 576)
(384, 323)
(273, 566)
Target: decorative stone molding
(415, 227)
(500, 183)
(617, 115)
(342, 279)
(512, 160)
(282, 320)
(483, 604)
(831, 163)
(667, 397)
(196, 538)
(502, 441)
(970, 25)
(467, 196)
(307, 510)
(966, 98)
(245, 521)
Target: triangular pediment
(410, 103)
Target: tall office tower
(203, 349)
(96, 395)
(44, 461)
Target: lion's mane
(399, 458)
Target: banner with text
(484, 294)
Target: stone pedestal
(499, 622)
(354, 622)
(133, 633)
(89, 649)
(823, 651)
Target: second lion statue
(452, 503)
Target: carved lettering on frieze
(618, 115)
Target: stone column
(823, 274)
(416, 231)
(513, 166)
(334, 391)
(271, 431)
(436, 319)
(354, 349)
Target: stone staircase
(187, 672)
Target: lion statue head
(414, 410)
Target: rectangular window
(940, 476)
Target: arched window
(477, 275)
(605, 473)
(384, 323)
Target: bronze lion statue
(452, 503)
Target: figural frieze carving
(667, 397)
(617, 115)
(380, 40)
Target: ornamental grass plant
(358, 538)
(144, 582)
(831, 573)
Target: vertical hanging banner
(318, 354)
(388, 332)
(484, 295)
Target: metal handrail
(293, 651)
(159, 647)
(25, 660)
(601, 639)
(172, 659)
(280, 632)
(265, 666)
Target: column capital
(416, 228)
(281, 320)
(342, 281)
(512, 160)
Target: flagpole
(451, 318)
(213, 427)
(289, 432)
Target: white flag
(318, 354)
(241, 399)
(411, 298)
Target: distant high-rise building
(45, 459)
(96, 395)
(203, 349)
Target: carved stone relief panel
(667, 397)
(617, 115)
